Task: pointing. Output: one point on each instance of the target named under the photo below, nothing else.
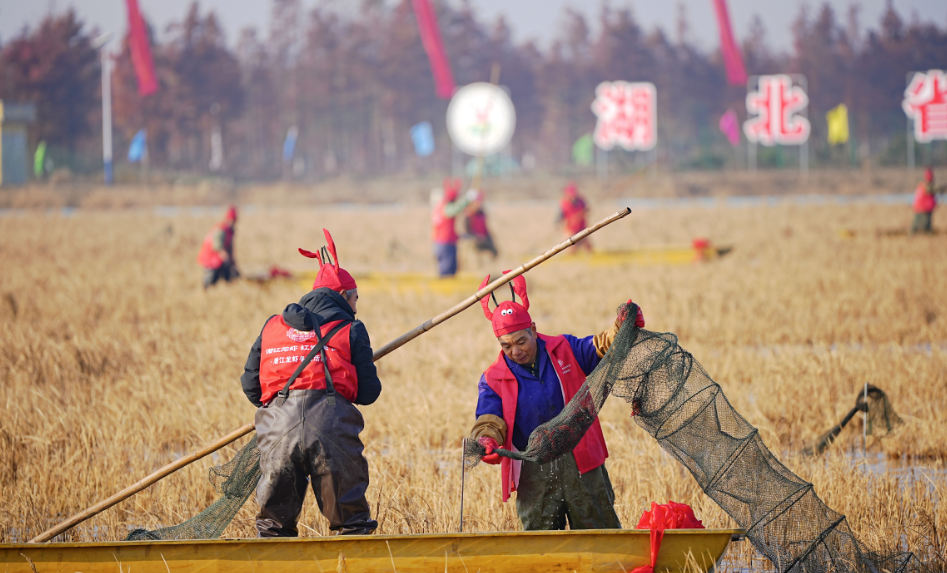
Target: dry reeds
(113, 361)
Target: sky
(539, 20)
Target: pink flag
(730, 127)
(732, 59)
(141, 52)
(434, 46)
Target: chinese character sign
(776, 104)
(627, 115)
(925, 101)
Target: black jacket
(317, 307)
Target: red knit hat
(331, 275)
(929, 175)
(451, 189)
(231, 214)
(509, 316)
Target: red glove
(490, 444)
(639, 320)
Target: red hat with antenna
(509, 316)
(331, 275)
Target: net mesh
(234, 481)
(677, 402)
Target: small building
(14, 159)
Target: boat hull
(601, 551)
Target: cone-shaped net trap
(686, 411)
(235, 481)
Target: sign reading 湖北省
(925, 102)
(776, 105)
(627, 115)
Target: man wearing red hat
(533, 378)
(924, 202)
(305, 373)
(443, 232)
(216, 254)
(572, 210)
(475, 220)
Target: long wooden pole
(475, 298)
(381, 352)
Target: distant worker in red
(572, 210)
(444, 233)
(925, 200)
(216, 255)
(475, 221)
(305, 373)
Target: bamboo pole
(475, 298)
(381, 352)
(142, 484)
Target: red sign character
(925, 101)
(627, 115)
(775, 105)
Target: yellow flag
(838, 124)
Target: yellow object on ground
(406, 282)
(648, 256)
(599, 551)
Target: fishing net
(234, 481)
(880, 418)
(677, 402)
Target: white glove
(472, 195)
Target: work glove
(490, 457)
(639, 319)
(472, 195)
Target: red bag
(661, 517)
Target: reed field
(114, 361)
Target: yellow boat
(674, 255)
(599, 551)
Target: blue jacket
(539, 399)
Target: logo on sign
(300, 335)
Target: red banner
(732, 58)
(140, 50)
(434, 46)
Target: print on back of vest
(677, 402)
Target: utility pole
(100, 43)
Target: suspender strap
(318, 348)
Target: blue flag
(423, 138)
(138, 148)
(289, 144)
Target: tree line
(353, 86)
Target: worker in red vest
(475, 220)
(216, 254)
(306, 372)
(443, 232)
(572, 210)
(925, 200)
(533, 378)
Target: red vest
(443, 226)
(477, 224)
(591, 451)
(573, 214)
(924, 201)
(208, 257)
(284, 348)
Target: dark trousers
(551, 494)
(922, 222)
(223, 272)
(446, 255)
(307, 437)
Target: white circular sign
(481, 119)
